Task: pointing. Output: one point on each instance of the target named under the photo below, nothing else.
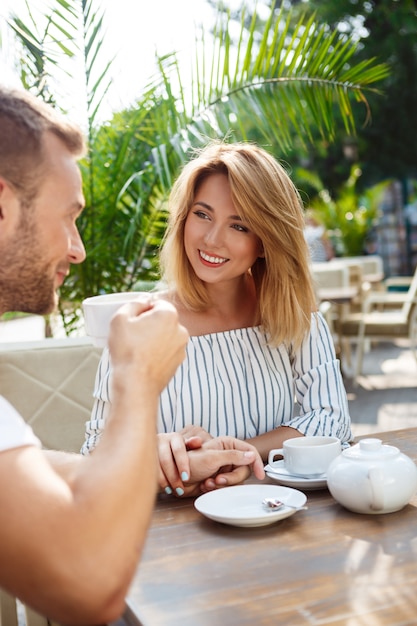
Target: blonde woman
(260, 363)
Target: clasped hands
(193, 462)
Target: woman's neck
(233, 306)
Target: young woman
(260, 363)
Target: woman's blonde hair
(268, 202)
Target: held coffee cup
(98, 312)
(306, 456)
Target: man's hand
(145, 334)
(234, 460)
(218, 462)
(195, 431)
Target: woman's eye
(201, 214)
(240, 228)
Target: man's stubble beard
(26, 281)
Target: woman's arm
(319, 386)
(273, 439)
(319, 390)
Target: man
(73, 527)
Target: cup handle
(273, 453)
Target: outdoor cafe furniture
(339, 291)
(384, 316)
(340, 284)
(50, 383)
(372, 267)
(322, 566)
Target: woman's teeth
(212, 259)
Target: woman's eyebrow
(204, 205)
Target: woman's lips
(212, 259)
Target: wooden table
(324, 565)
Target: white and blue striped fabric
(234, 383)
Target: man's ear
(1, 189)
(9, 205)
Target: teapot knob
(370, 445)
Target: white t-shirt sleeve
(14, 431)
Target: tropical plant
(292, 77)
(349, 216)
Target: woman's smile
(210, 259)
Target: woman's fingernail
(184, 476)
(179, 491)
(221, 481)
(168, 490)
(249, 454)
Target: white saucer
(242, 505)
(283, 477)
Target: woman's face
(218, 244)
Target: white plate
(280, 474)
(242, 505)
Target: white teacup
(306, 456)
(98, 312)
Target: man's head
(40, 199)
(24, 122)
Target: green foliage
(387, 146)
(349, 216)
(293, 78)
(42, 47)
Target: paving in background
(385, 397)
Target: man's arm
(69, 548)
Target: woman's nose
(213, 236)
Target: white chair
(331, 281)
(385, 316)
(372, 265)
(329, 275)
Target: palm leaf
(286, 79)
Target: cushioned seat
(50, 382)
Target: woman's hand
(174, 465)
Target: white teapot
(372, 478)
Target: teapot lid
(369, 449)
